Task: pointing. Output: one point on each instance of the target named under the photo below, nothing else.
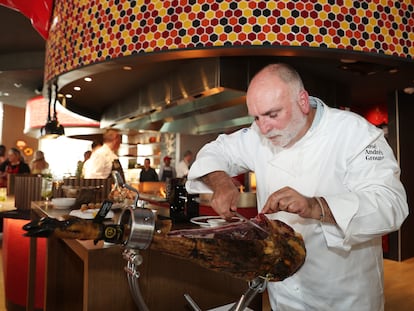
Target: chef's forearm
(217, 179)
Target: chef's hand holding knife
(225, 194)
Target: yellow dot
(335, 9)
(219, 29)
(186, 39)
(313, 30)
(309, 22)
(323, 15)
(247, 28)
(271, 37)
(187, 24)
(345, 40)
(162, 11)
(161, 27)
(243, 5)
(299, 21)
(285, 29)
(210, 14)
(285, 13)
(360, 12)
(261, 20)
(232, 36)
(158, 5)
(224, 6)
(369, 44)
(271, 5)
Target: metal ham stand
(142, 226)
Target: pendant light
(52, 128)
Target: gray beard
(288, 134)
(275, 149)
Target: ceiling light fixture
(409, 90)
(52, 128)
(87, 79)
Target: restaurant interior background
(343, 77)
(173, 78)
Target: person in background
(147, 172)
(104, 160)
(80, 166)
(166, 170)
(95, 145)
(3, 156)
(13, 165)
(328, 173)
(184, 165)
(39, 164)
(86, 156)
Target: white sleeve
(228, 153)
(376, 203)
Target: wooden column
(400, 127)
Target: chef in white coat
(327, 173)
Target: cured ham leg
(238, 249)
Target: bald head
(276, 77)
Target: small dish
(63, 203)
(213, 221)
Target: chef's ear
(303, 102)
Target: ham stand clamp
(141, 226)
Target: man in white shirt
(327, 173)
(184, 165)
(104, 160)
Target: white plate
(89, 213)
(211, 221)
(63, 203)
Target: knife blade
(251, 222)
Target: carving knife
(251, 222)
(103, 211)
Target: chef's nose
(264, 125)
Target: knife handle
(103, 211)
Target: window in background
(63, 154)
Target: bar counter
(15, 257)
(83, 276)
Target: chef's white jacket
(347, 161)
